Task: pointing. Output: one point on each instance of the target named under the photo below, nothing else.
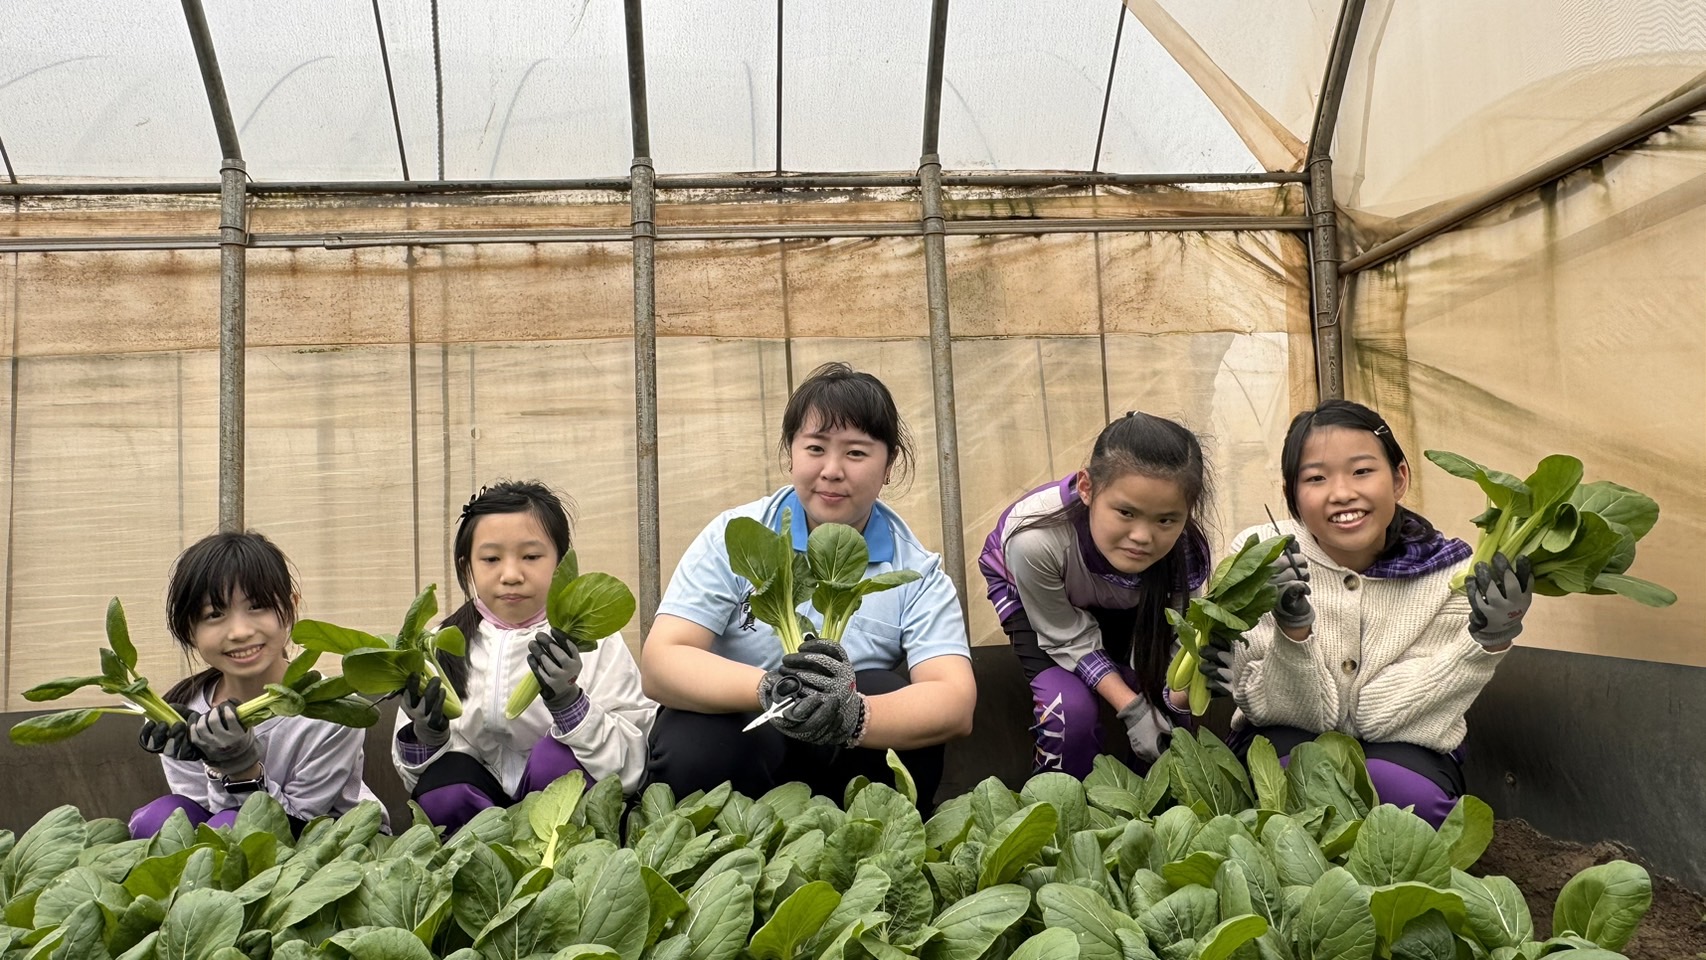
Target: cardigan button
(1349, 666)
(1351, 581)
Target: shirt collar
(879, 530)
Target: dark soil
(1673, 928)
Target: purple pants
(149, 818)
(471, 787)
(1067, 727)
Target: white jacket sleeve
(611, 739)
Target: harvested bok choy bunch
(304, 692)
(585, 607)
(380, 666)
(118, 677)
(831, 574)
(1237, 595)
(1579, 537)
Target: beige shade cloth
(1566, 321)
(385, 385)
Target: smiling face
(837, 472)
(1134, 519)
(1347, 493)
(511, 564)
(244, 640)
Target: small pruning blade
(1275, 524)
(787, 687)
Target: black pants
(697, 751)
(1118, 627)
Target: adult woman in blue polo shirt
(713, 667)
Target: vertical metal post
(641, 197)
(936, 292)
(1323, 213)
(233, 276)
(233, 249)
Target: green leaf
(1428, 937)
(1293, 852)
(331, 638)
(1467, 831)
(1224, 939)
(1394, 847)
(1087, 915)
(1641, 591)
(1199, 868)
(587, 951)
(616, 906)
(1617, 504)
(1268, 776)
(903, 781)
(450, 640)
(421, 610)
(837, 554)
(118, 634)
(552, 808)
(853, 843)
(388, 944)
(199, 924)
(796, 919)
(718, 917)
(1333, 921)
(1015, 843)
(1055, 943)
(1393, 907)
(969, 927)
(594, 606)
(1199, 777)
(54, 727)
(326, 886)
(47, 849)
(1063, 792)
(54, 689)
(1185, 914)
(902, 827)
(1604, 903)
(479, 886)
(1501, 488)
(1496, 911)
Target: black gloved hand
(171, 741)
(224, 742)
(1291, 577)
(425, 708)
(556, 664)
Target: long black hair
(1407, 525)
(1155, 447)
(505, 496)
(844, 397)
(206, 574)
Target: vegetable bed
(1203, 859)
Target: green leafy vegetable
(118, 677)
(831, 574)
(381, 666)
(1237, 595)
(1579, 537)
(585, 607)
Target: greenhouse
(325, 269)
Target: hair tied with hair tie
(1130, 413)
(468, 508)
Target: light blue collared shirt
(906, 625)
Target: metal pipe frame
(934, 226)
(644, 231)
(1323, 212)
(1670, 112)
(754, 182)
(819, 231)
(233, 275)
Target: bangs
(211, 570)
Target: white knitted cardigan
(1388, 659)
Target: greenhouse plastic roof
(1442, 98)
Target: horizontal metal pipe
(1595, 150)
(814, 181)
(433, 238)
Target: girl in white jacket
(590, 715)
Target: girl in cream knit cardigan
(1368, 637)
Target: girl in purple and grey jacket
(1081, 572)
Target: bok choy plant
(118, 677)
(380, 666)
(830, 574)
(1579, 537)
(585, 607)
(1237, 595)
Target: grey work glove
(556, 664)
(425, 708)
(833, 718)
(820, 666)
(1499, 597)
(1291, 578)
(1148, 730)
(225, 744)
(1216, 667)
(171, 741)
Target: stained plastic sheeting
(1567, 321)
